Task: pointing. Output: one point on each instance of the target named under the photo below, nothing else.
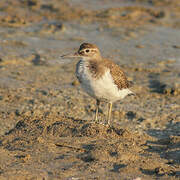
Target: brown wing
(117, 74)
(95, 68)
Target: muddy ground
(46, 120)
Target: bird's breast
(85, 77)
(80, 71)
(99, 88)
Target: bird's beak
(73, 55)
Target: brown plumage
(98, 67)
(87, 45)
(99, 77)
(117, 74)
(95, 68)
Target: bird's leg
(97, 109)
(109, 113)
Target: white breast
(102, 88)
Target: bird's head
(86, 51)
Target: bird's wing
(117, 74)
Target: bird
(99, 77)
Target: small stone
(17, 112)
(148, 125)
(27, 157)
(44, 92)
(131, 115)
(75, 83)
(40, 140)
(165, 141)
(138, 69)
(159, 170)
(139, 46)
(131, 34)
(140, 119)
(122, 113)
(176, 46)
(160, 14)
(27, 113)
(38, 60)
(116, 113)
(31, 2)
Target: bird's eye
(87, 50)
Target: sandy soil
(46, 127)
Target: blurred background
(39, 91)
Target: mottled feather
(97, 68)
(100, 78)
(117, 74)
(87, 45)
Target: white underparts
(102, 88)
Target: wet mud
(46, 120)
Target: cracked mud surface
(46, 128)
